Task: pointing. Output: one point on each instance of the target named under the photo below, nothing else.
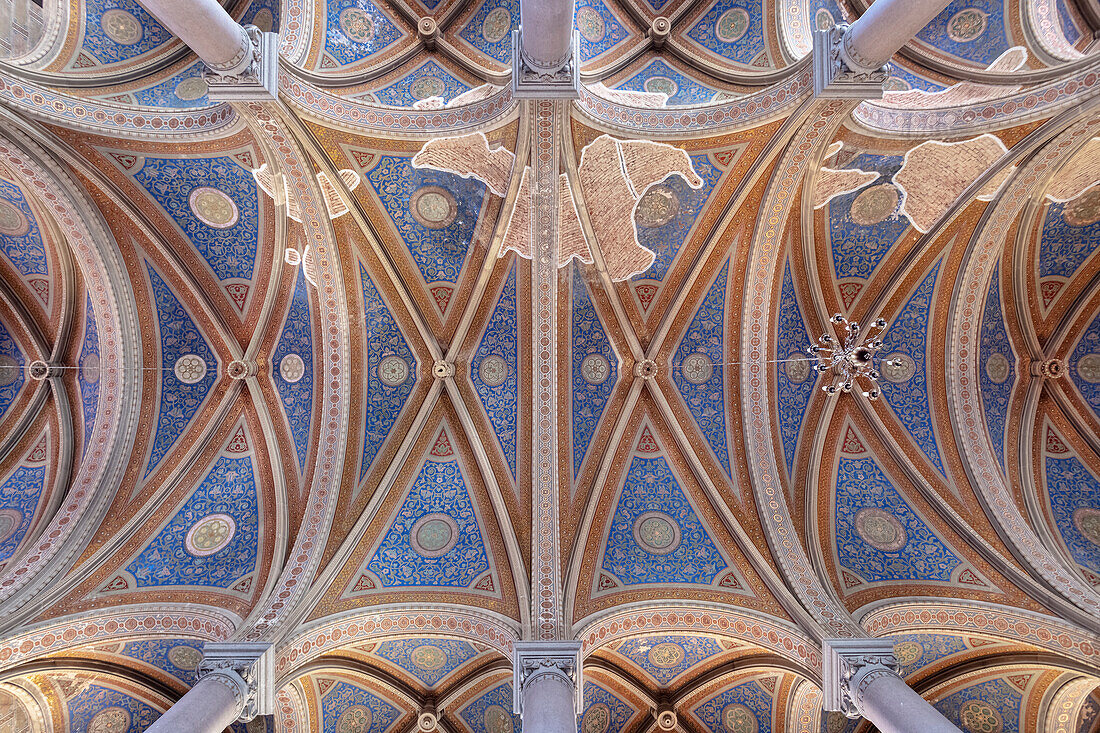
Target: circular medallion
(185, 657)
(824, 20)
(595, 369)
(356, 24)
(798, 368)
(666, 655)
(264, 20)
(978, 716)
(10, 519)
(657, 533)
(493, 370)
(966, 25)
(597, 719)
(190, 369)
(590, 24)
(292, 368)
(433, 535)
(661, 85)
(393, 370)
(496, 25)
(497, 720)
(356, 719)
(895, 84)
(433, 207)
(1087, 521)
(697, 368)
(732, 24)
(1083, 210)
(13, 223)
(428, 657)
(908, 652)
(1088, 368)
(110, 720)
(898, 367)
(210, 535)
(996, 367)
(657, 207)
(10, 369)
(121, 26)
(738, 719)
(874, 204)
(191, 89)
(426, 86)
(880, 529)
(213, 208)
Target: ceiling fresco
(270, 371)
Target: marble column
(236, 683)
(212, 705)
(242, 63)
(207, 29)
(544, 51)
(886, 26)
(860, 678)
(850, 61)
(547, 684)
(548, 26)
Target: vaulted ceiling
(243, 421)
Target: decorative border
(109, 120)
(305, 556)
(546, 591)
(93, 482)
(311, 643)
(1037, 102)
(98, 627)
(766, 256)
(963, 368)
(998, 621)
(365, 118)
(747, 111)
(765, 632)
(1046, 28)
(806, 708)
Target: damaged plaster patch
(832, 183)
(517, 235)
(964, 92)
(335, 204)
(571, 241)
(644, 100)
(468, 156)
(613, 176)
(1079, 175)
(953, 166)
(467, 97)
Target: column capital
(533, 661)
(253, 75)
(247, 669)
(837, 75)
(849, 666)
(559, 80)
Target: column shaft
(893, 706)
(211, 706)
(206, 28)
(548, 705)
(886, 27)
(547, 29)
